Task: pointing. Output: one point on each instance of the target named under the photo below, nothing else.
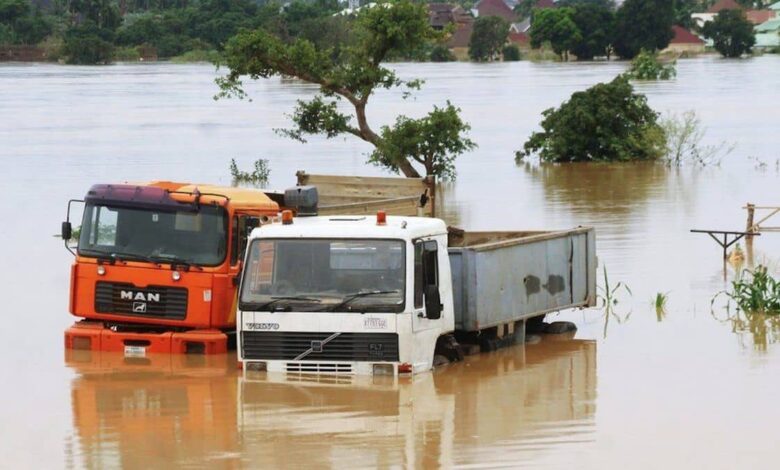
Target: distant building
(443, 14)
(521, 40)
(494, 8)
(685, 41)
(768, 34)
(754, 16)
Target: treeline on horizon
(100, 31)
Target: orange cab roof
(241, 199)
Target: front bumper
(327, 367)
(95, 336)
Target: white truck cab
(345, 294)
(375, 294)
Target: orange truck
(157, 265)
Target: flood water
(637, 388)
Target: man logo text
(143, 297)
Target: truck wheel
(536, 325)
(447, 346)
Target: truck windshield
(132, 234)
(324, 275)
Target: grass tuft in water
(659, 302)
(258, 177)
(609, 296)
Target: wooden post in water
(751, 210)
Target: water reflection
(753, 330)
(150, 412)
(606, 189)
(496, 408)
(516, 400)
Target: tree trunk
(370, 136)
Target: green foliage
(659, 302)
(524, 8)
(610, 296)
(683, 9)
(757, 292)
(433, 141)
(104, 14)
(126, 54)
(556, 26)
(441, 53)
(646, 66)
(258, 176)
(607, 122)
(20, 23)
(87, 44)
(596, 23)
(643, 24)
(511, 53)
(731, 32)
(489, 36)
(352, 74)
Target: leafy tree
(511, 53)
(646, 66)
(643, 24)
(488, 37)
(683, 9)
(524, 8)
(596, 22)
(441, 53)
(556, 26)
(103, 13)
(397, 28)
(88, 44)
(22, 24)
(607, 122)
(731, 32)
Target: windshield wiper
(257, 306)
(134, 257)
(357, 295)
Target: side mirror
(67, 231)
(433, 306)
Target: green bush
(127, 54)
(758, 292)
(87, 44)
(441, 53)
(607, 122)
(646, 66)
(198, 55)
(731, 32)
(511, 53)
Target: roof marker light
(381, 218)
(287, 217)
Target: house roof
(769, 26)
(521, 39)
(683, 36)
(725, 5)
(495, 8)
(462, 35)
(760, 16)
(522, 26)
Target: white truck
(384, 295)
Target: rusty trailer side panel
(502, 277)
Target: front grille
(317, 367)
(288, 346)
(168, 303)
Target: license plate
(135, 351)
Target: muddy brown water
(634, 388)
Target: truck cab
(345, 295)
(157, 265)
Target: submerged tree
(731, 32)
(606, 122)
(353, 73)
(488, 38)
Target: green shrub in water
(757, 292)
(646, 66)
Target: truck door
(427, 297)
